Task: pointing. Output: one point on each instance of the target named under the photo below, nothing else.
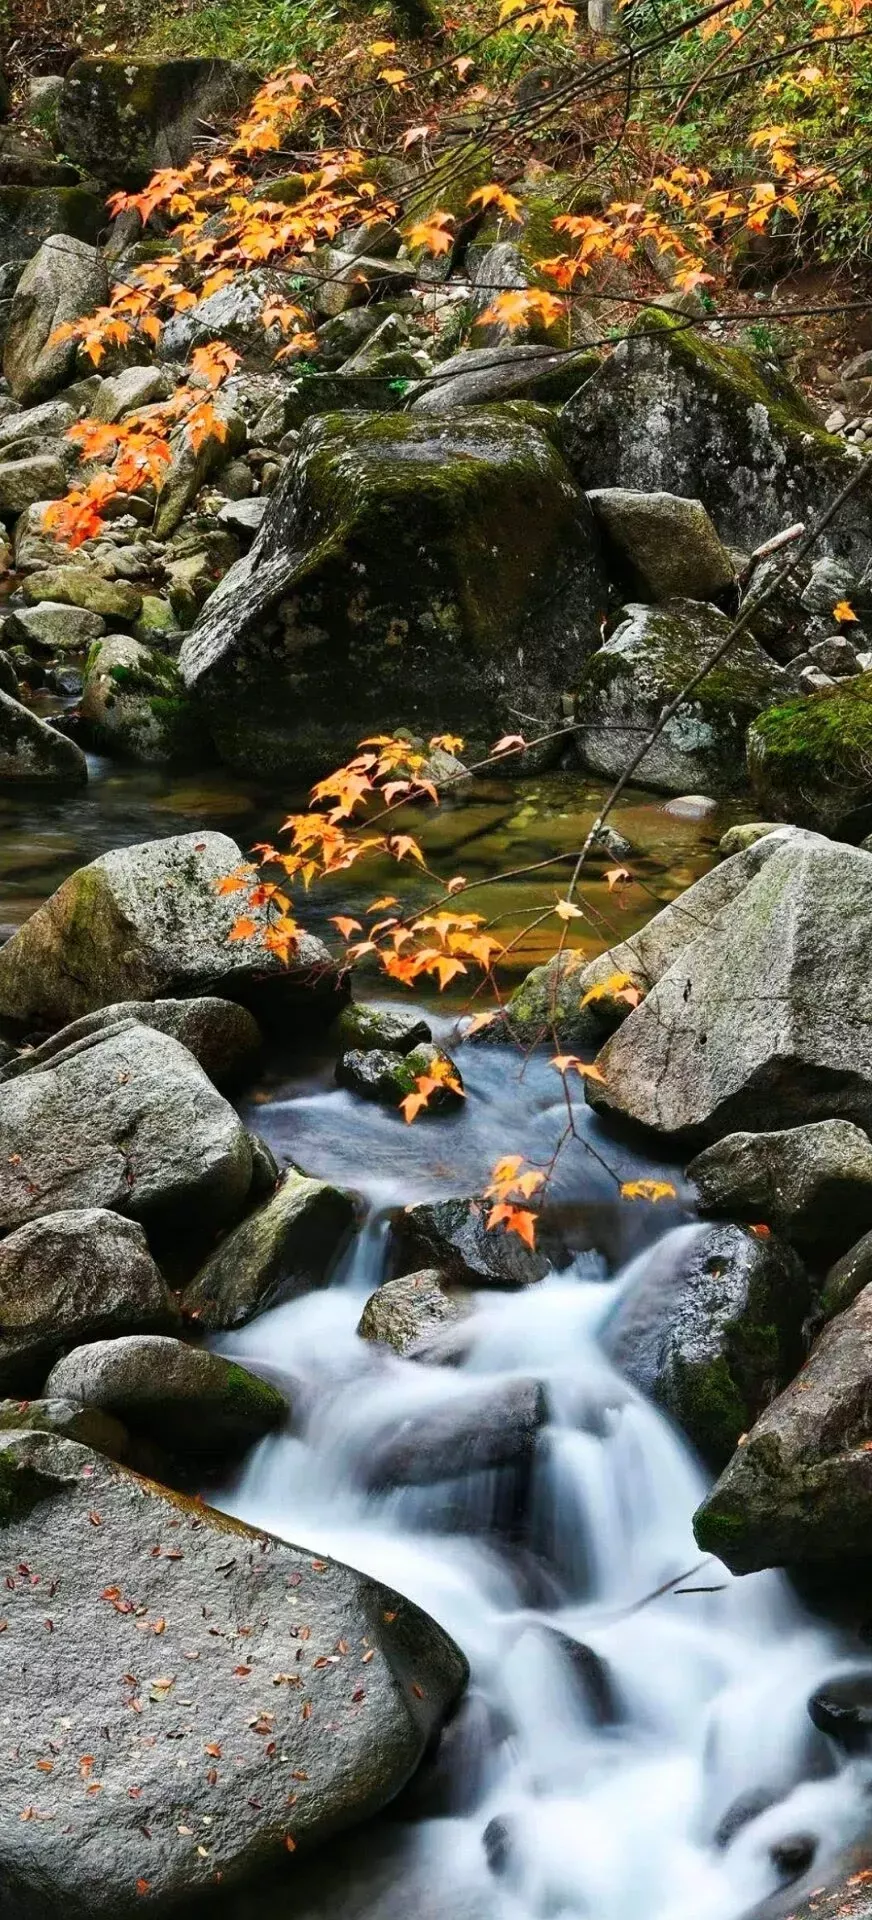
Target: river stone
(812, 1184)
(62, 629)
(451, 1235)
(388, 1077)
(361, 1029)
(86, 1424)
(185, 1399)
(711, 1328)
(63, 281)
(146, 923)
(430, 566)
(205, 1575)
(479, 1428)
(125, 1120)
(190, 467)
(403, 1312)
(666, 543)
(68, 1278)
(846, 1278)
(760, 1023)
(480, 375)
(51, 421)
(134, 705)
(31, 750)
(83, 586)
(672, 411)
(842, 1709)
(285, 1249)
(624, 688)
(798, 1492)
(809, 759)
(122, 119)
(224, 1037)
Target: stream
(635, 1740)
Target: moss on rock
(810, 759)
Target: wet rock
(68, 1278)
(478, 1429)
(665, 542)
(812, 1184)
(63, 281)
(758, 1023)
(712, 1330)
(32, 751)
(624, 688)
(392, 546)
(451, 1235)
(128, 1121)
(264, 1168)
(223, 1037)
(83, 586)
(191, 1402)
(798, 1492)
(362, 1029)
(842, 1709)
(285, 1249)
(454, 1778)
(121, 119)
(373, 1747)
(481, 375)
(146, 922)
(809, 759)
(61, 629)
(389, 1077)
(134, 705)
(405, 1312)
(794, 1854)
(8, 676)
(847, 1277)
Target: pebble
(836, 421)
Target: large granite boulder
(188, 1401)
(760, 1023)
(711, 1328)
(810, 759)
(651, 655)
(670, 411)
(70, 1277)
(121, 119)
(34, 753)
(31, 214)
(798, 1492)
(125, 1120)
(280, 1753)
(812, 1184)
(147, 922)
(63, 281)
(441, 570)
(222, 1036)
(285, 1249)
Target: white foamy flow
(708, 1676)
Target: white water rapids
(611, 1810)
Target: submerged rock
(74, 1276)
(479, 1428)
(404, 1312)
(812, 1184)
(285, 1249)
(388, 1077)
(712, 1330)
(842, 1709)
(366, 1731)
(189, 1402)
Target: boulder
(83, 586)
(672, 411)
(260, 1775)
(32, 214)
(32, 751)
(624, 688)
(444, 568)
(126, 392)
(362, 1029)
(122, 119)
(146, 922)
(846, 1278)
(841, 1707)
(51, 421)
(222, 1036)
(481, 375)
(736, 839)
(38, 476)
(452, 1236)
(73, 1422)
(813, 1184)
(285, 1249)
(798, 1492)
(134, 704)
(71, 1277)
(388, 1077)
(186, 1400)
(61, 629)
(189, 467)
(473, 1431)
(710, 1327)
(63, 281)
(125, 1120)
(233, 314)
(759, 1023)
(810, 759)
(404, 1312)
(664, 543)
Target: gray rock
(50, 422)
(243, 517)
(223, 1037)
(8, 676)
(813, 1184)
(62, 629)
(134, 705)
(125, 1120)
(624, 688)
(86, 1424)
(146, 923)
(666, 542)
(842, 1709)
(188, 468)
(829, 582)
(798, 1492)
(834, 656)
(121, 119)
(186, 1400)
(285, 1249)
(481, 375)
(368, 1728)
(40, 476)
(233, 314)
(404, 1312)
(760, 1022)
(83, 586)
(361, 1028)
(846, 1278)
(128, 391)
(388, 1077)
(477, 1429)
(71, 1277)
(451, 1235)
(63, 281)
(736, 839)
(32, 751)
(711, 1328)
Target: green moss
(710, 1406)
(247, 1394)
(812, 757)
(714, 1529)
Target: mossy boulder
(711, 1328)
(29, 215)
(83, 586)
(664, 544)
(812, 1184)
(672, 411)
(120, 119)
(285, 1249)
(135, 705)
(453, 1237)
(810, 759)
(362, 1028)
(188, 1401)
(442, 571)
(378, 1074)
(626, 685)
